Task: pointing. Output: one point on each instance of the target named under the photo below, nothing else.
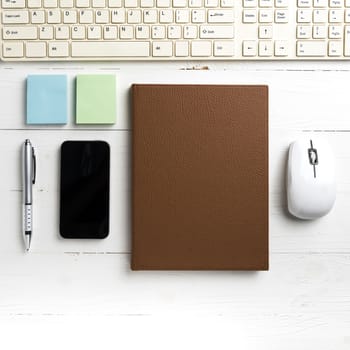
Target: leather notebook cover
(200, 177)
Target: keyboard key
(34, 3)
(265, 32)
(162, 48)
(182, 16)
(304, 32)
(304, 3)
(50, 3)
(347, 41)
(249, 16)
(118, 16)
(320, 16)
(150, 16)
(224, 48)
(250, 3)
(319, 32)
(102, 16)
(36, 49)
(336, 16)
(20, 33)
(110, 49)
(311, 48)
(13, 4)
(165, 16)
(133, 16)
(174, 32)
(335, 32)
(190, 32)
(82, 3)
(142, 32)
(98, 3)
(179, 3)
(46, 33)
(126, 32)
(78, 32)
(110, 32)
(249, 48)
(265, 48)
(158, 32)
(320, 3)
(38, 17)
(220, 16)
(266, 16)
(13, 49)
(58, 49)
(201, 48)
(147, 3)
(211, 3)
(265, 3)
(281, 3)
(216, 32)
(181, 49)
(281, 48)
(198, 16)
(227, 3)
(15, 17)
(70, 16)
(62, 32)
(304, 16)
(335, 48)
(195, 3)
(114, 3)
(94, 32)
(54, 16)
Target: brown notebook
(200, 177)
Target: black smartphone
(84, 192)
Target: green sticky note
(95, 99)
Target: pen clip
(34, 165)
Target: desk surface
(303, 301)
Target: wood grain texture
(302, 302)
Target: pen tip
(27, 242)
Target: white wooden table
(57, 294)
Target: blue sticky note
(47, 99)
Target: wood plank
(309, 108)
(301, 295)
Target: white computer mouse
(311, 179)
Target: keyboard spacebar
(110, 49)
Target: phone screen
(84, 200)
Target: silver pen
(29, 170)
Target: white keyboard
(175, 29)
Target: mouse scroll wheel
(313, 156)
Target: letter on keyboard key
(162, 48)
(15, 33)
(311, 48)
(12, 49)
(224, 48)
(201, 48)
(110, 49)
